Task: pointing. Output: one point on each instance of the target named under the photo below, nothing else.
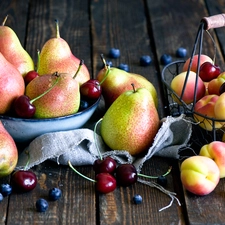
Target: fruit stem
(57, 28)
(96, 144)
(154, 177)
(106, 75)
(57, 80)
(78, 69)
(133, 87)
(38, 60)
(82, 175)
(28, 161)
(3, 23)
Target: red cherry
(24, 180)
(126, 175)
(105, 183)
(91, 89)
(23, 107)
(208, 71)
(30, 76)
(107, 165)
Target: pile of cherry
(107, 177)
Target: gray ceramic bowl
(25, 130)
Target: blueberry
(83, 105)
(54, 194)
(145, 60)
(165, 59)
(41, 205)
(114, 53)
(5, 189)
(137, 199)
(181, 52)
(162, 180)
(109, 63)
(1, 197)
(124, 67)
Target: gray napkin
(81, 148)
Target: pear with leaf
(56, 55)
(115, 81)
(13, 51)
(131, 122)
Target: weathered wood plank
(113, 27)
(76, 206)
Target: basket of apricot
(196, 88)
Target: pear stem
(96, 145)
(57, 80)
(133, 87)
(57, 28)
(79, 68)
(38, 60)
(106, 75)
(154, 177)
(4, 21)
(103, 60)
(82, 175)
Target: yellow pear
(8, 152)
(115, 81)
(13, 51)
(131, 122)
(56, 55)
(11, 84)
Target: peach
(199, 174)
(188, 96)
(216, 151)
(205, 107)
(194, 66)
(215, 84)
(219, 107)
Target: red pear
(11, 84)
(8, 152)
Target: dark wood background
(141, 27)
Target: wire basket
(176, 106)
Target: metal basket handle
(215, 21)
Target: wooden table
(149, 27)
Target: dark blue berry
(165, 59)
(162, 180)
(181, 52)
(114, 53)
(54, 194)
(41, 205)
(109, 63)
(137, 199)
(124, 67)
(145, 60)
(1, 197)
(5, 189)
(83, 105)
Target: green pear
(11, 84)
(8, 152)
(115, 81)
(131, 122)
(62, 100)
(13, 51)
(56, 55)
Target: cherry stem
(154, 177)
(79, 68)
(57, 80)
(95, 138)
(28, 161)
(82, 175)
(57, 28)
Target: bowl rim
(49, 119)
